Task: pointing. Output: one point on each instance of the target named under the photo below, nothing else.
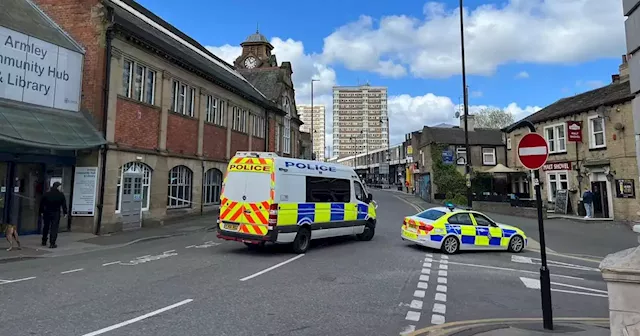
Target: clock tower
(256, 53)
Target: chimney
(623, 70)
(470, 122)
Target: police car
(268, 198)
(452, 229)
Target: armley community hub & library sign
(38, 72)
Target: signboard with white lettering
(557, 166)
(38, 72)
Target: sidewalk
(519, 327)
(70, 243)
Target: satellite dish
(457, 115)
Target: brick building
(172, 113)
(591, 145)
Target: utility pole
(313, 132)
(466, 111)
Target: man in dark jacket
(53, 201)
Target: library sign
(38, 72)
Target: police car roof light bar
(256, 154)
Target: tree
(493, 118)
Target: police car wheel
(302, 241)
(368, 233)
(516, 244)
(450, 245)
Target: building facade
(591, 146)
(319, 130)
(173, 114)
(360, 119)
(631, 9)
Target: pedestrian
(11, 233)
(587, 200)
(51, 204)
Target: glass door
(4, 170)
(28, 187)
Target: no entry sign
(533, 151)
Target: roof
(256, 38)
(612, 94)
(265, 80)
(455, 136)
(44, 127)
(200, 58)
(23, 16)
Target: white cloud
(532, 31)
(522, 74)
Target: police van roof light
(256, 154)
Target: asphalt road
(198, 285)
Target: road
(198, 285)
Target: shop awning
(502, 169)
(47, 128)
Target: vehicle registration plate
(231, 227)
(410, 235)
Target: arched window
(211, 186)
(180, 187)
(286, 106)
(146, 183)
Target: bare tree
(493, 118)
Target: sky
(521, 55)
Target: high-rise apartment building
(318, 113)
(360, 119)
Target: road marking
(441, 288)
(428, 260)
(441, 297)
(190, 246)
(272, 268)
(439, 308)
(419, 209)
(427, 264)
(444, 257)
(419, 293)
(444, 261)
(111, 263)
(423, 285)
(204, 245)
(536, 261)
(442, 273)
(137, 319)
(437, 319)
(428, 255)
(535, 284)
(424, 277)
(442, 280)
(444, 266)
(170, 251)
(147, 258)
(413, 316)
(512, 270)
(4, 282)
(426, 271)
(416, 304)
(72, 271)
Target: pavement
(191, 283)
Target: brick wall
(137, 125)
(215, 142)
(272, 135)
(239, 142)
(82, 19)
(182, 134)
(257, 144)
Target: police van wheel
(516, 244)
(302, 241)
(450, 245)
(368, 233)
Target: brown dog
(11, 233)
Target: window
(359, 190)
(258, 126)
(278, 137)
(324, 190)
(183, 98)
(146, 183)
(556, 181)
(179, 193)
(461, 152)
(508, 143)
(245, 121)
(482, 220)
(556, 138)
(138, 82)
(596, 132)
(460, 219)
(489, 156)
(431, 214)
(240, 120)
(211, 185)
(214, 111)
(286, 106)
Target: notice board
(562, 201)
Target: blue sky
(522, 54)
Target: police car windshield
(247, 187)
(431, 214)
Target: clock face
(250, 62)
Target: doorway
(600, 199)
(27, 188)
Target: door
(425, 188)
(4, 172)
(462, 226)
(600, 199)
(131, 208)
(26, 191)
(489, 229)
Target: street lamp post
(313, 149)
(466, 111)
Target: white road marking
(147, 258)
(408, 330)
(444, 257)
(144, 256)
(419, 209)
(137, 319)
(441, 297)
(444, 267)
(170, 251)
(190, 246)
(423, 285)
(444, 261)
(427, 264)
(529, 260)
(439, 308)
(441, 288)
(204, 245)
(111, 263)
(416, 304)
(413, 316)
(424, 277)
(535, 284)
(426, 271)
(442, 273)
(4, 282)
(428, 259)
(272, 268)
(437, 319)
(442, 280)
(428, 255)
(512, 270)
(419, 293)
(72, 271)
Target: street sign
(533, 151)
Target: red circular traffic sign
(533, 151)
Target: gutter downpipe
(105, 117)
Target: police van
(268, 198)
